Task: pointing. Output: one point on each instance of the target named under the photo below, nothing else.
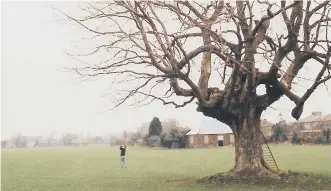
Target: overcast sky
(38, 96)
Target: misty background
(39, 96)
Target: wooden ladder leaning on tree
(268, 156)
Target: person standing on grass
(123, 149)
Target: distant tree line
(66, 139)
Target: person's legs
(123, 165)
(124, 162)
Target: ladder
(268, 156)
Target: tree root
(288, 179)
(242, 177)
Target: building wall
(211, 140)
(309, 131)
(227, 140)
(314, 125)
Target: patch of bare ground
(287, 180)
(182, 181)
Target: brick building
(211, 133)
(311, 127)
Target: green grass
(98, 168)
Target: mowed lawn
(98, 168)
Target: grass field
(98, 168)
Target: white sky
(39, 97)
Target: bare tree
(156, 43)
(20, 141)
(50, 139)
(67, 138)
(4, 143)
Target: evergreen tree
(278, 134)
(155, 127)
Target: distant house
(79, 142)
(211, 133)
(266, 128)
(312, 126)
(32, 141)
(143, 129)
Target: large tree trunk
(249, 158)
(245, 124)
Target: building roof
(314, 117)
(210, 127)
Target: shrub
(319, 140)
(327, 134)
(295, 139)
